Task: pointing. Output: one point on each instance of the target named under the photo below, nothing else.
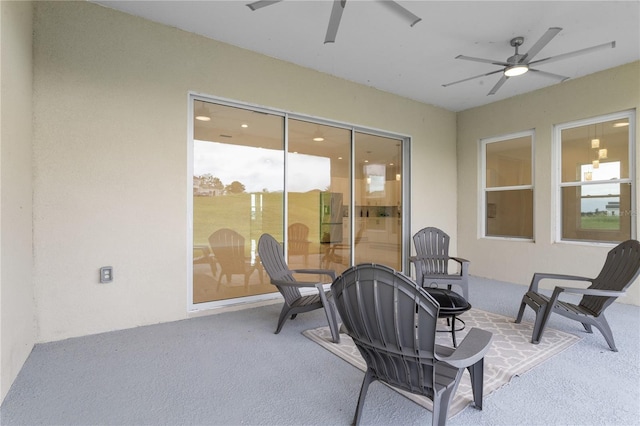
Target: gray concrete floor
(230, 369)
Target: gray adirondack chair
(431, 261)
(620, 270)
(392, 320)
(272, 258)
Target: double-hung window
(595, 179)
(507, 186)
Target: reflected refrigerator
(330, 217)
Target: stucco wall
(17, 325)
(110, 156)
(610, 91)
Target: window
(596, 179)
(507, 186)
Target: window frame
(482, 211)
(558, 185)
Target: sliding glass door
(238, 182)
(330, 193)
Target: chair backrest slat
(272, 257)
(620, 269)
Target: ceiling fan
(336, 14)
(519, 64)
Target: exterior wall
(17, 325)
(613, 90)
(110, 156)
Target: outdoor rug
(511, 353)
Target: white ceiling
(377, 48)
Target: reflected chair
(272, 258)
(341, 253)
(620, 270)
(392, 321)
(228, 249)
(298, 240)
(432, 259)
(202, 256)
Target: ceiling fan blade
(404, 13)
(540, 44)
(262, 3)
(486, 61)
(471, 78)
(498, 85)
(334, 20)
(548, 74)
(611, 45)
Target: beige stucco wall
(606, 92)
(110, 156)
(17, 321)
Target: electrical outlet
(106, 274)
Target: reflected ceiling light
(244, 126)
(596, 164)
(515, 70)
(587, 175)
(398, 176)
(339, 158)
(202, 114)
(317, 136)
(622, 124)
(595, 143)
(602, 154)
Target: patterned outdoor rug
(511, 352)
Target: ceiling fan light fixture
(515, 70)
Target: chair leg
(283, 317)
(441, 406)
(523, 305)
(476, 371)
(587, 327)
(540, 323)
(330, 312)
(602, 325)
(465, 291)
(368, 378)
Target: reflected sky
(260, 169)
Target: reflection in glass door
(378, 200)
(340, 202)
(319, 194)
(238, 180)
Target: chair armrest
(460, 260)
(592, 291)
(471, 350)
(296, 283)
(329, 272)
(538, 276)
